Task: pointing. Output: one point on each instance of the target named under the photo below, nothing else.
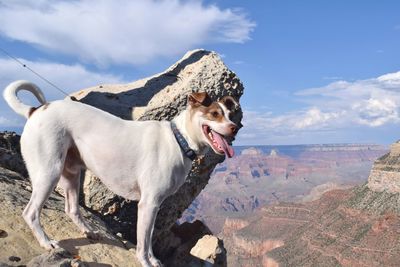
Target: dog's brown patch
(214, 113)
(45, 106)
(199, 99)
(33, 109)
(202, 102)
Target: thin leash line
(33, 71)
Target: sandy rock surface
(18, 245)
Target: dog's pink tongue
(228, 150)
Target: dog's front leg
(147, 212)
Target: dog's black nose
(233, 128)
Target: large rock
(163, 96)
(10, 153)
(210, 249)
(160, 97)
(190, 250)
(385, 174)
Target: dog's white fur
(136, 160)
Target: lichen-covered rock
(385, 174)
(160, 97)
(10, 153)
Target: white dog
(139, 160)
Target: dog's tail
(10, 95)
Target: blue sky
(314, 71)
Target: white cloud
(372, 102)
(68, 77)
(338, 106)
(266, 127)
(377, 112)
(121, 32)
(9, 122)
(314, 117)
(390, 79)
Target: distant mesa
(343, 147)
(273, 153)
(252, 151)
(296, 151)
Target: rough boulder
(160, 97)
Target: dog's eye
(215, 114)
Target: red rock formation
(260, 176)
(343, 228)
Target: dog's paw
(155, 262)
(93, 235)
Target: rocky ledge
(385, 174)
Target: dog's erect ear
(230, 103)
(200, 98)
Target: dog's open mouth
(218, 142)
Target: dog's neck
(185, 128)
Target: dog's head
(212, 121)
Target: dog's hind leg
(70, 181)
(41, 189)
(44, 157)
